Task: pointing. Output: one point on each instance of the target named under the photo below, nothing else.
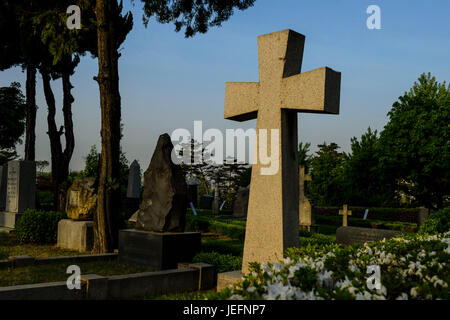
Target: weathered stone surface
(241, 203)
(21, 189)
(282, 91)
(304, 204)
(76, 235)
(163, 207)
(349, 235)
(81, 202)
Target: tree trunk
(60, 159)
(30, 135)
(54, 136)
(108, 203)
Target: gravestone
(20, 191)
(3, 183)
(206, 202)
(134, 181)
(193, 184)
(282, 92)
(349, 235)
(163, 206)
(131, 203)
(344, 213)
(366, 213)
(159, 240)
(304, 204)
(240, 206)
(77, 232)
(81, 203)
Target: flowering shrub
(412, 267)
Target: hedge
(390, 214)
(38, 227)
(368, 223)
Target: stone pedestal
(156, 250)
(9, 219)
(227, 279)
(76, 235)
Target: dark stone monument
(241, 203)
(192, 184)
(131, 203)
(349, 235)
(3, 182)
(159, 240)
(206, 202)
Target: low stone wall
(188, 277)
(22, 261)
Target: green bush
(368, 223)
(317, 238)
(234, 231)
(222, 262)
(437, 222)
(233, 247)
(38, 227)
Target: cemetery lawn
(10, 246)
(57, 272)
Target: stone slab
(9, 219)
(350, 235)
(227, 279)
(207, 276)
(21, 261)
(21, 187)
(76, 235)
(159, 251)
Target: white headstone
(365, 214)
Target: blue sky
(167, 81)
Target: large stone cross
(282, 91)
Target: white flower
(403, 296)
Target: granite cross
(344, 213)
(282, 91)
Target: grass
(10, 246)
(57, 272)
(195, 295)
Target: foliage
(92, 166)
(222, 262)
(411, 268)
(376, 213)
(38, 226)
(368, 223)
(12, 113)
(416, 142)
(363, 173)
(232, 247)
(304, 158)
(194, 16)
(326, 187)
(230, 228)
(437, 222)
